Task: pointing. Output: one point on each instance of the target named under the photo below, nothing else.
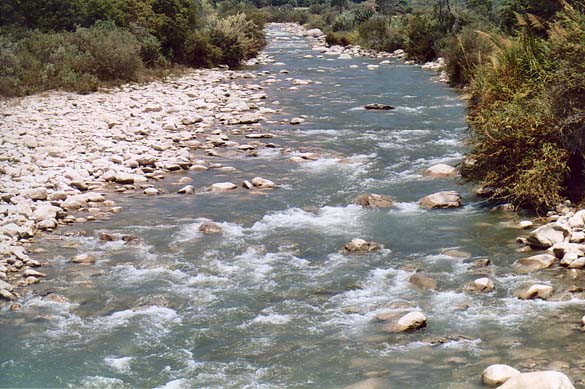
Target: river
(273, 301)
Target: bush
(338, 38)
(377, 33)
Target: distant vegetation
(522, 62)
(80, 44)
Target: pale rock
(47, 224)
(441, 170)
(38, 194)
(296, 121)
(577, 220)
(534, 263)
(448, 199)
(210, 228)
(223, 187)
(373, 200)
(151, 191)
(361, 246)
(547, 235)
(263, 183)
(496, 375)
(481, 285)
(536, 291)
(423, 281)
(409, 322)
(188, 189)
(83, 259)
(540, 380)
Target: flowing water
(273, 302)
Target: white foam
(158, 315)
(417, 109)
(99, 382)
(191, 231)
(330, 220)
(354, 165)
(121, 365)
(272, 319)
(181, 383)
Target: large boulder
(373, 200)
(359, 246)
(534, 263)
(496, 375)
(547, 235)
(448, 199)
(540, 380)
(410, 322)
(313, 33)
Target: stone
(410, 322)
(296, 121)
(448, 199)
(481, 285)
(47, 224)
(538, 379)
(38, 194)
(577, 220)
(151, 191)
(547, 235)
(85, 259)
(247, 184)
(378, 106)
(124, 178)
(210, 228)
(188, 189)
(33, 273)
(5, 285)
(313, 33)
(536, 291)
(223, 187)
(185, 180)
(7, 295)
(373, 200)
(534, 263)
(525, 224)
(441, 170)
(361, 246)
(496, 375)
(423, 281)
(263, 183)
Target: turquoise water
(272, 301)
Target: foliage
(421, 31)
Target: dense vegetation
(80, 44)
(520, 61)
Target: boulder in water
(378, 107)
(534, 263)
(447, 199)
(223, 187)
(540, 380)
(536, 291)
(373, 200)
(423, 281)
(410, 322)
(359, 246)
(441, 170)
(547, 235)
(210, 228)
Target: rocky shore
(63, 153)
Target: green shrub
(421, 37)
(377, 33)
(338, 38)
(344, 22)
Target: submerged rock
(447, 199)
(496, 375)
(361, 246)
(370, 383)
(373, 200)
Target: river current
(273, 302)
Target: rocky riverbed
(274, 232)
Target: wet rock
(423, 281)
(536, 291)
(223, 187)
(124, 178)
(359, 246)
(448, 199)
(7, 295)
(313, 33)
(525, 224)
(534, 263)
(441, 170)
(410, 322)
(561, 249)
(151, 191)
(378, 106)
(483, 262)
(295, 121)
(105, 236)
(188, 189)
(496, 375)
(260, 136)
(210, 228)
(373, 200)
(481, 285)
(540, 380)
(263, 183)
(33, 273)
(547, 235)
(84, 259)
